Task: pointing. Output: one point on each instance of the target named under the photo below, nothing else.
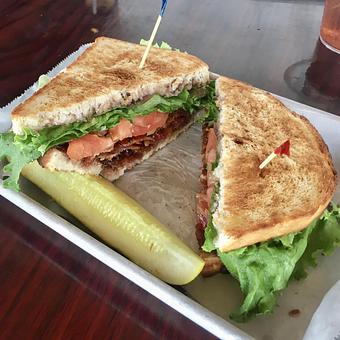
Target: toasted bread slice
(106, 76)
(56, 160)
(256, 205)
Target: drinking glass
(330, 26)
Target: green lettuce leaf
(42, 81)
(265, 268)
(210, 112)
(210, 234)
(164, 45)
(324, 239)
(17, 156)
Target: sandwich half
(102, 114)
(257, 223)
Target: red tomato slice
(202, 205)
(211, 148)
(92, 145)
(121, 131)
(148, 124)
(210, 191)
(88, 146)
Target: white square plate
(166, 185)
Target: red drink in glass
(330, 26)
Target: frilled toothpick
(283, 149)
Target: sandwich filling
(121, 147)
(209, 162)
(120, 137)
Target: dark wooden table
(49, 288)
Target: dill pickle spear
(121, 222)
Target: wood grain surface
(49, 287)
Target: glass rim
(330, 47)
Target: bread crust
(107, 76)
(56, 160)
(285, 196)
